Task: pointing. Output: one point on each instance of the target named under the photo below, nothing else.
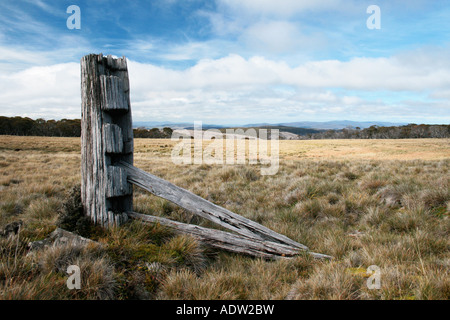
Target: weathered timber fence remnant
(108, 173)
(106, 138)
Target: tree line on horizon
(18, 126)
(24, 126)
(410, 131)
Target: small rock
(60, 237)
(11, 228)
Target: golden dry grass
(366, 202)
(374, 149)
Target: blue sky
(234, 61)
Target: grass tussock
(337, 197)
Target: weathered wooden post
(106, 139)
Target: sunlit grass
(365, 202)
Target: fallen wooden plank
(204, 208)
(229, 241)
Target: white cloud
(267, 27)
(245, 88)
(50, 92)
(280, 37)
(257, 89)
(47, 8)
(403, 72)
(279, 7)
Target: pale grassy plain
(365, 202)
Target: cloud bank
(240, 89)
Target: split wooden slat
(113, 138)
(114, 97)
(117, 184)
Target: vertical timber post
(106, 139)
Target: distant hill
(159, 124)
(173, 125)
(286, 133)
(291, 129)
(327, 125)
(332, 125)
(343, 129)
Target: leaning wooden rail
(204, 208)
(253, 239)
(229, 241)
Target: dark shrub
(71, 216)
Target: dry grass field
(365, 202)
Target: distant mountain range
(327, 125)
(333, 125)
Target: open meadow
(381, 203)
